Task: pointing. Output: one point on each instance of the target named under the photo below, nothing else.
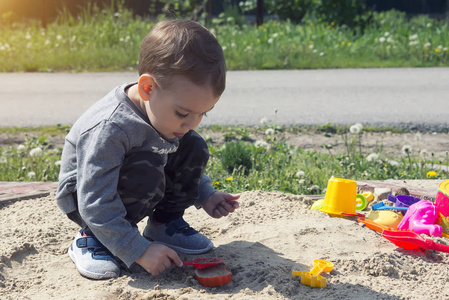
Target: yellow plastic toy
(313, 278)
(386, 218)
(340, 198)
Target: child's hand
(158, 258)
(220, 204)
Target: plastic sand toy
(442, 203)
(386, 217)
(421, 218)
(213, 276)
(340, 198)
(381, 206)
(313, 278)
(409, 240)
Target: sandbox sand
(269, 236)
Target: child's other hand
(220, 204)
(158, 258)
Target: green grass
(241, 163)
(109, 40)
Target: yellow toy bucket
(340, 198)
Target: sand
(270, 235)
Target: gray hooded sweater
(92, 157)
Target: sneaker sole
(89, 274)
(184, 250)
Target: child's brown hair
(183, 47)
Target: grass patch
(239, 162)
(109, 39)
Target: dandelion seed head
(423, 153)
(300, 174)
(35, 152)
(261, 144)
(269, 131)
(406, 149)
(382, 39)
(356, 128)
(31, 174)
(21, 147)
(393, 163)
(372, 157)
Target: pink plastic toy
(421, 217)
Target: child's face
(180, 107)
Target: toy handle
(437, 246)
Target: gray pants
(148, 188)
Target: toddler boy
(134, 154)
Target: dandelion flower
(423, 154)
(31, 174)
(393, 163)
(406, 150)
(230, 178)
(314, 189)
(216, 183)
(35, 152)
(261, 144)
(269, 131)
(356, 128)
(372, 157)
(431, 174)
(300, 174)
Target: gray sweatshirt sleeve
(205, 190)
(100, 154)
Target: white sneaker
(92, 259)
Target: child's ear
(146, 85)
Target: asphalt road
(417, 97)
